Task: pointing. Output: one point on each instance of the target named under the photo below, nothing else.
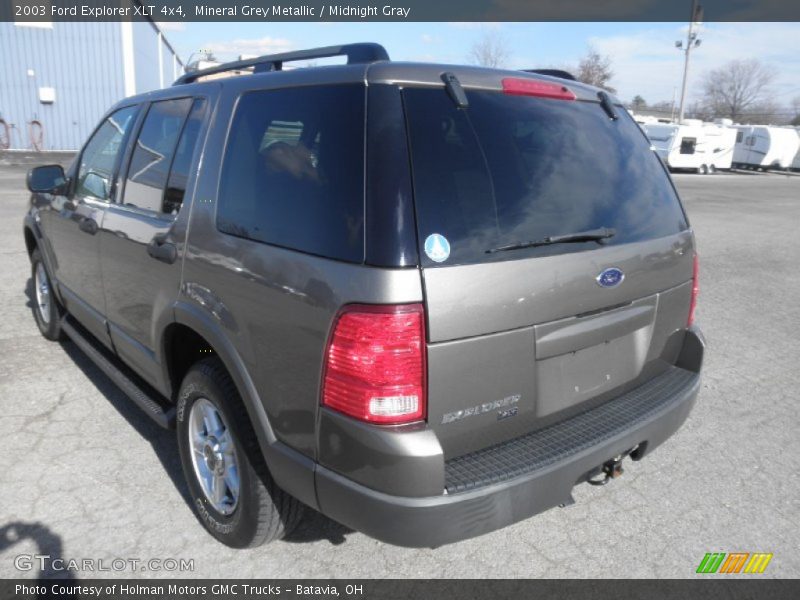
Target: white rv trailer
(720, 140)
(762, 147)
(796, 162)
(692, 145)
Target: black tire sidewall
(236, 529)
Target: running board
(163, 416)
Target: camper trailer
(762, 147)
(692, 145)
(720, 140)
(796, 162)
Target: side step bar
(163, 416)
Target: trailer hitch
(610, 470)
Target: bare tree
(765, 111)
(796, 109)
(737, 86)
(490, 51)
(638, 103)
(699, 110)
(662, 109)
(595, 69)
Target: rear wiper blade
(591, 235)
(608, 105)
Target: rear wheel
(46, 309)
(233, 493)
(712, 169)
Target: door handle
(88, 225)
(160, 249)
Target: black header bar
(393, 10)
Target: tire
(258, 511)
(703, 170)
(46, 310)
(712, 169)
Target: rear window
(513, 169)
(293, 172)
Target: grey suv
(424, 300)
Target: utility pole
(691, 42)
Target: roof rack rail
(355, 53)
(561, 74)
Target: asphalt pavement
(84, 475)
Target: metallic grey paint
(469, 300)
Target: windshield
(511, 169)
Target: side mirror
(47, 179)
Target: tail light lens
(695, 290)
(375, 364)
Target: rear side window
(293, 173)
(512, 169)
(182, 163)
(153, 153)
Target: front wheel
(232, 491)
(46, 310)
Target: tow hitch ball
(610, 470)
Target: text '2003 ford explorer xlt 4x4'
(424, 300)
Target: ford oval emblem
(610, 277)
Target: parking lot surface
(85, 475)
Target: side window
(688, 145)
(293, 172)
(153, 153)
(100, 155)
(739, 135)
(179, 174)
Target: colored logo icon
(734, 562)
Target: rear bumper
(645, 418)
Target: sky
(644, 58)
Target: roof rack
(561, 74)
(355, 53)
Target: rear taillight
(375, 364)
(531, 87)
(695, 290)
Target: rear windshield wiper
(591, 235)
(607, 105)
